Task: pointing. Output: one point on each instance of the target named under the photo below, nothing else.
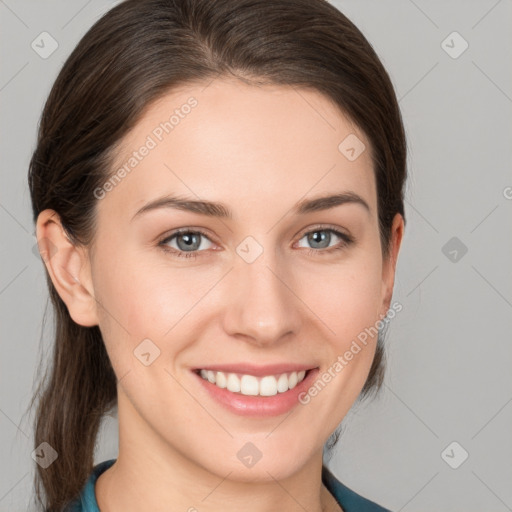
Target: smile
(250, 385)
(246, 389)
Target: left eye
(320, 238)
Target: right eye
(188, 243)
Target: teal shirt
(346, 498)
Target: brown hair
(133, 55)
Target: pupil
(318, 239)
(189, 240)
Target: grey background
(449, 350)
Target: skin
(258, 150)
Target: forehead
(241, 144)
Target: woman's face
(258, 288)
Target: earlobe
(68, 267)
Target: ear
(389, 265)
(69, 268)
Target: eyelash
(346, 241)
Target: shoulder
(349, 500)
(86, 501)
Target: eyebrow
(220, 210)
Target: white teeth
(250, 385)
(233, 383)
(221, 380)
(282, 383)
(268, 386)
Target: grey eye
(187, 241)
(319, 238)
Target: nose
(262, 305)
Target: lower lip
(258, 405)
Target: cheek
(348, 299)
(147, 300)
(347, 304)
(130, 300)
(137, 293)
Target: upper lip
(257, 371)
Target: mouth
(251, 385)
(246, 390)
